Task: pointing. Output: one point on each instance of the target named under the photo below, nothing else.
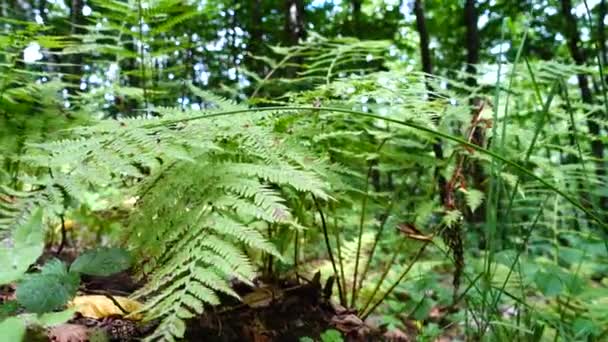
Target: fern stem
(290, 110)
(328, 246)
(595, 201)
(493, 197)
(277, 67)
(519, 253)
(339, 247)
(503, 135)
(353, 296)
(376, 239)
(296, 251)
(397, 282)
(361, 222)
(385, 273)
(537, 131)
(63, 235)
(270, 257)
(331, 67)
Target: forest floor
(277, 310)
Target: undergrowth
(339, 175)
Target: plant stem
(339, 247)
(328, 246)
(376, 239)
(353, 297)
(394, 285)
(386, 271)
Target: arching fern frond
(203, 189)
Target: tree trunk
(356, 22)
(425, 54)
(233, 24)
(472, 40)
(427, 67)
(256, 36)
(294, 21)
(601, 33)
(77, 21)
(472, 44)
(579, 57)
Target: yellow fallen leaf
(100, 306)
(69, 225)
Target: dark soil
(279, 312)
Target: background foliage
(429, 155)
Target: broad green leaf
(54, 267)
(55, 318)
(550, 284)
(583, 328)
(102, 262)
(28, 246)
(12, 329)
(44, 292)
(422, 309)
(30, 233)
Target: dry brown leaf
(397, 335)
(262, 297)
(100, 306)
(347, 323)
(68, 333)
(410, 231)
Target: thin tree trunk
(294, 28)
(601, 33)
(356, 22)
(256, 36)
(579, 57)
(234, 49)
(77, 21)
(451, 235)
(472, 41)
(472, 44)
(294, 21)
(427, 67)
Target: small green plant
(331, 335)
(56, 283)
(42, 293)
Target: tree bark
(601, 33)
(256, 36)
(425, 54)
(472, 41)
(427, 67)
(477, 137)
(356, 22)
(579, 57)
(294, 21)
(233, 24)
(77, 21)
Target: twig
(63, 235)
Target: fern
(200, 188)
(205, 182)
